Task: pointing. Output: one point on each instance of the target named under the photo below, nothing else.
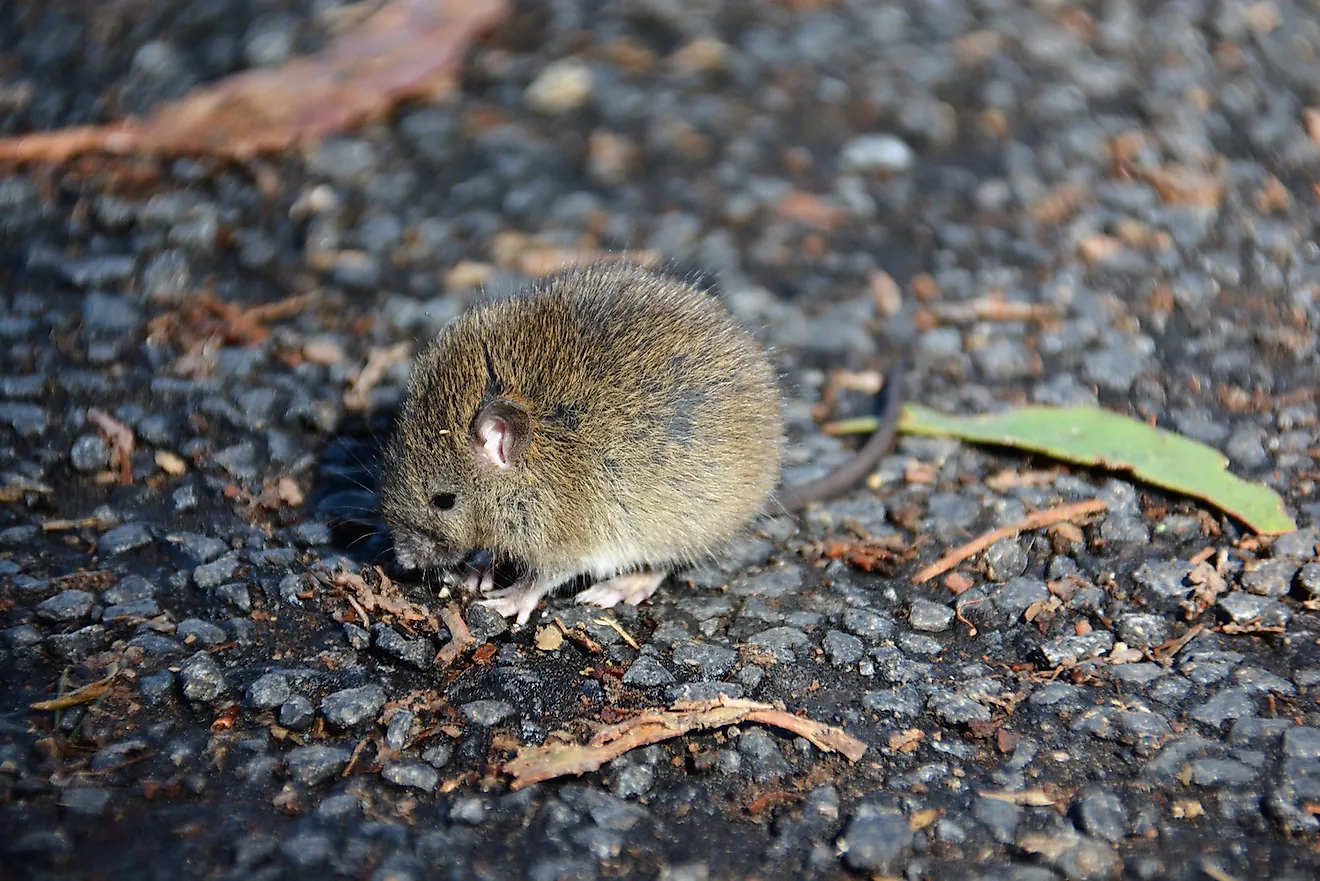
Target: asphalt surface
(1108, 203)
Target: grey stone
(85, 801)
(1225, 705)
(469, 809)
(419, 652)
(902, 702)
(21, 637)
(167, 276)
(353, 707)
(310, 765)
(956, 709)
(1241, 608)
(1140, 630)
(647, 672)
(876, 154)
(1103, 815)
(843, 649)
(1271, 578)
(1221, 772)
(109, 313)
(269, 691)
(1000, 817)
(769, 585)
(200, 549)
(1071, 649)
(876, 840)
(18, 535)
(1004, 559)
(129, 589)
(1079, 857)
(235, 594)
(781, 640)
(307, 849)
(27, 420)
(357, 637)
(1302, 743)
(711, 661)
(157, 687)
(1018, 595)
(240, 461)
(194, 630)
(1308, 581)
(78, 645)
(122, 539)
(487, 713)
(930, 617)
(398, 730)
(438, 756)
(297, 713)
(89, 453)
(66, 606)
(763, 759)
(201, 678)
(1162, 584)
(131, 611)
(411, 775)
(869, 625)
(1300, 545)
(214, 574)
(484, 624)
(704, 691)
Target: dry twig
(1036, 520)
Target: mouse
(610, 420)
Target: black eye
(442, 501)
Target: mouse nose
(417, 550)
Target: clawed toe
(633, 588)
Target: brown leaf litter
(405, 50)
(563, 757)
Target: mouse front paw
(512, 603)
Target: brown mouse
(611, 421)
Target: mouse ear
(501, 433)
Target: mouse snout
(418, 550)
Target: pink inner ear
(496, 436)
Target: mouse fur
(610, 419)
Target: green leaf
(1103, 439)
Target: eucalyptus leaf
(1103, 439)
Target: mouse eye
(442, 501)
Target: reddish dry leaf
(958, 583)
(809, 209)
(385, 598)
(906, 741)
(407, 49)
(121, 442)
(870, 556)
(460, 637)
(1311, 116)
(1208, 585)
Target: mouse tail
(855, 470)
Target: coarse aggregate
(1133, 184)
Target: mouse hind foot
(632, 588)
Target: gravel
(1103, 205)
(353, 707)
